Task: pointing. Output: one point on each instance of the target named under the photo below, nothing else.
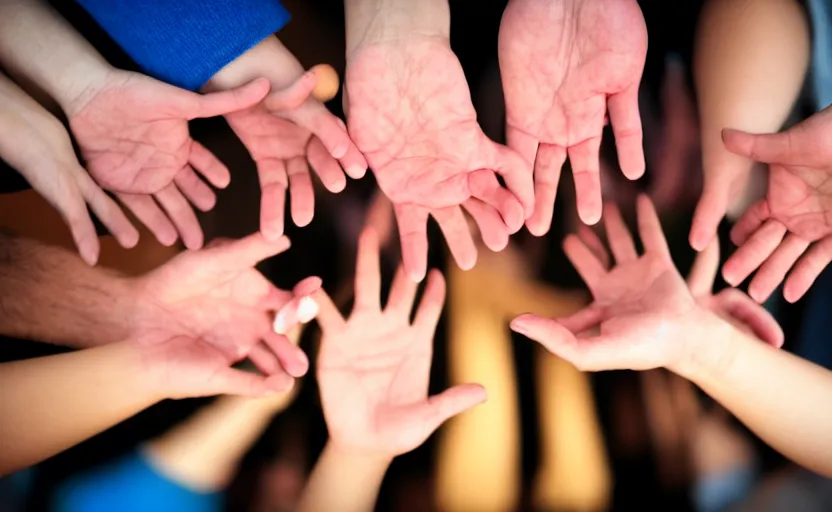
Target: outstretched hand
(564, 65)
(217, 296)
(420, 135)
(648, 317)
(790, 230)
(374, 367)
(133, 134)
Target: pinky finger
(83, 232)
(148, 212)
(492, 228)
(807, 270)
(113, 218)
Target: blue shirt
(185, 42)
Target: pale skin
(565, 64)
(649, 318)
(420, 134)
(373, 374)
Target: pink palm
(564, 64)
(409, 111)
(374, 368)
(795, 214)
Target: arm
(48, 294)
(374, 21)
(749, 379)
(344, 480)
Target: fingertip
(590, 215)
(279, 383)
(355, 171)
(89, 253)
(522, 324)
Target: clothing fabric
(821, 14)
(185, 42)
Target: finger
(182, 216)
(709, 213)
(325, 166)
(293, 314)
(703, 273)
(484, 186)
(774, 269)
(110, 214)
(589, 267)
(367, 273)
(194, 189)
(307, 287)
(516, 172)
(430, 307)
(353, 162)
(273, 185)
(430, 414)
(320, 121)
(808, 268)
(246, 252)
(208, 165)
(769, 148)
(621, 241)
(492, 229)
(594, 244)
(230, 381)
(525, 144)
(264, 359)
(626, 125)
(650, 229)
(148, 212)
(82, 229)
(586, 172)
(752, 315)
(547, 167)
(583, 320)
(293, 96)
(402, 294)
(753, 252)
(224, 102)
(301, 192)
(329, 317)
(457, 235)
(413, 233)
(292, 359)
(750, 222)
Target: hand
(38, 146)
(795, 217)
(133, 134)
(183, 367)
(374, 368)
(648, 317)
(216, 295)
(409, 111)
(564, 63)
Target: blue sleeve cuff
(185, 42)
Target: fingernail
(307, 309)
(280, 323)
(519, 326)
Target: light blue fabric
(821, 14)
(718, 492)
(131, 484)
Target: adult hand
(648, 317)
(374, 367)
(36, 144)
(420, 135)
(790, 230)
(215, 295)
(564, 64)
(133, 134)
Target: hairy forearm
(372, 21)
(751, 58)
(38, 46)
(49, 404)
(780, 397)
(49, 294)
(343, 481)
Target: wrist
(379, 21)
(76, 87)
(364, 461)
(711, 352)
(268, 59)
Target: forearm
(751, 58)
(343, 481)
(49, 294)
(268, 59)
(38, 46)
(371, 21)
(780, 397)
(51, 403)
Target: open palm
(409, 111)
(564, 64)
(795, 217)
(134, 138)
(217, 296)
(374, 368)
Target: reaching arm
(344, 480)
(783, 399)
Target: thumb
(225, 102)
(294, 95)
(767, 148)
(431, 413)
(246, 252)
(555, 338)
(751, 315)
(712, 207)
(230, 381)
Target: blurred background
(550, 437)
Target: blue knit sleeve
(185, 42)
